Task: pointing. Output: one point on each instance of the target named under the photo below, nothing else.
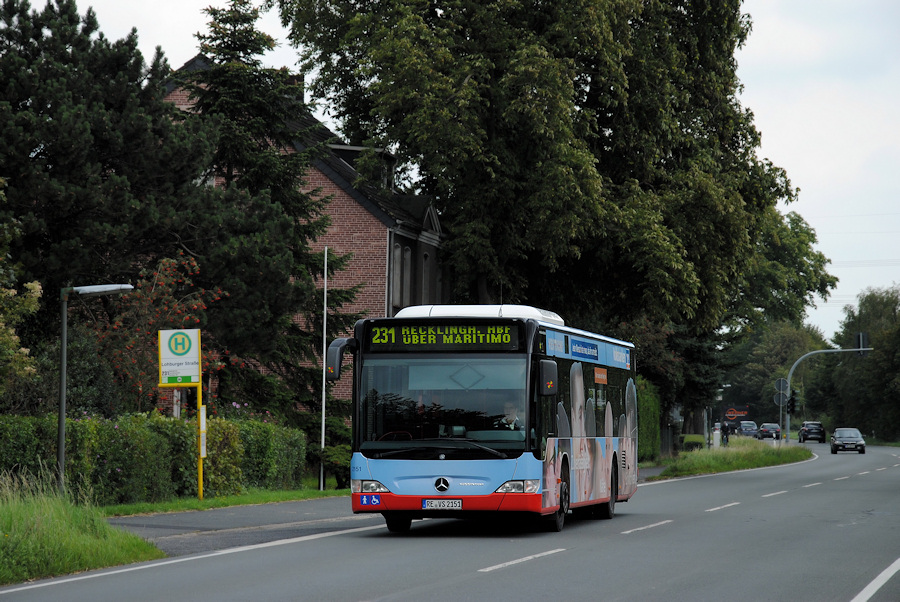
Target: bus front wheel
(559, 517)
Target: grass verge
(742, 453)
(249, 498)
(43, 534)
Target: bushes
(121, 460)
(648, 421)
(273, 456)
(151, 458)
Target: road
(826, 529)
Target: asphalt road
(183, 533)
(820, 530)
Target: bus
(472, 410)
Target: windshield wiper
(420, 448)
(472, 442)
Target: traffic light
(792, 402)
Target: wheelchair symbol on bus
(370, 500)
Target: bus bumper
(421, 505)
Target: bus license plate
(441, 504)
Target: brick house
(395, 239)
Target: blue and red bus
(467, 410)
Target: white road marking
(723, 507)
(518, 560)
(876, 583)
(647, 527)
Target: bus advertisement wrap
(452, 416)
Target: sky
(822, 78)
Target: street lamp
(83, 291)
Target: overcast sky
(822, 78)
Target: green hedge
(146, 458)
(648, 421)
(274, 457)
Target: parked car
(811, 430)
(769, 430)
(747, 428)
(847, 439)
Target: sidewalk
(650, 471)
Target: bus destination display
(444, 337)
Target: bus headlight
(357, 486)
(526, 486)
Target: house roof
(413, 213)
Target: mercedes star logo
(442, 484)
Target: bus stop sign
(179, 357)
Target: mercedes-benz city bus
(466, 410)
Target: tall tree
(263, 257)
(107, 178)
(101, 171)
(482, 98)
(864, 387)
(15, 306)
(589, 156)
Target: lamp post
(84, 291)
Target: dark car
(846, 439)
(769, 430)
(747, 428)
(811, 430)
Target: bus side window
(562, 421)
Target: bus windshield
(411, 406)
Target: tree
(861, 390)
(165, 298)
(108, 179)
(263, 259)
(784, 275)
(592, 157)
(481, 98)
(104, 175)
(764, 356)
(15, 306)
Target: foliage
(91, 387)
(273, 456)
(222, 473)
(591, 157)
(761, 359)
(151, 458)
(692, 442)
(648, 421)
(163, 299)
(860, 390)
(121, 459)
(742, 453)
(181, 442)
(336, 459)
(15, 361)
(109, 180)
(102, 171)
(44, 535)
(270, 269)
(481, 99)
